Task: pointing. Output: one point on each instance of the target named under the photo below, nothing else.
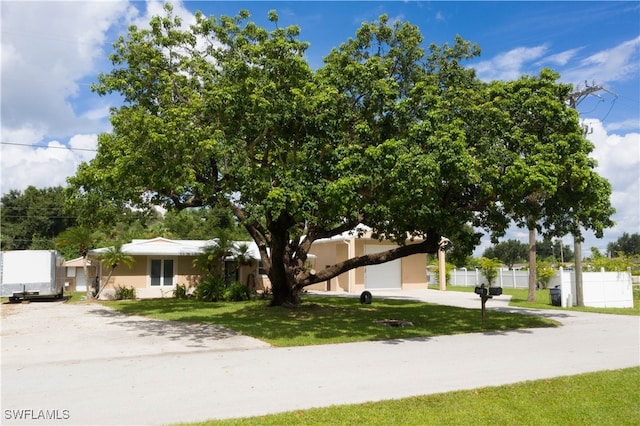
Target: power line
(38, 217)
(47, 146)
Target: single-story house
(160, 264)
(75, 274)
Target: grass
(519, 298)
(323, 319)
(602, 398)
(75, 296)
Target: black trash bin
(556, 296)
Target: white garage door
(386, 275)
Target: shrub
(490, 268)
(237, 292)
(448, 267)
(125, 293)
(180, 292)
(544, 273)
(210, 289)
(266, 294)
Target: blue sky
(52, 51)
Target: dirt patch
(6, 309)
(395, 323)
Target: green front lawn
(603, 398)
(322, 319)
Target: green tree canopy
(628, 244)
(513, 251)
(509, 252)
(32, 218)
(547, 179)
(385, 134)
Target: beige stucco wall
(184, 274)
(414, 273)
(138, 276)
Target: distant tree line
(512, 252)
(37, 219)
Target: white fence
(599, 289)
(505, 278)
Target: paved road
(86, 364)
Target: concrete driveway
(86, 364)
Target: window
(161, 272)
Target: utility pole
(574, 99)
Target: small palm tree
(211, 260)
(82, 238)
(112, 258)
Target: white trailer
(30, 274)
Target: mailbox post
(485, 294)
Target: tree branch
(430, 245)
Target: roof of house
(361, 231)
(77, 262)
(165, 247)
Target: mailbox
(481, 291)
(495, 291)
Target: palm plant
(112, 258)
(82, 238)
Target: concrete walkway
(129, 370)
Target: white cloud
(84, 147)
(618, 159)
(509, 65)
(51, 52)
(630, 124)
(47, 49)
(619, 63)
(45, 166)
(562, 58)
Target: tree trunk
(105, 284)
(577, 249)
(281, 276)
(85, 269)
(284, 291)
(532, 265)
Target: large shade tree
(226, 113)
